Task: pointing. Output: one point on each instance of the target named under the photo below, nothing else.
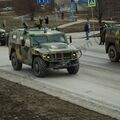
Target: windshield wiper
(38, 43)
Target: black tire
(17, 65)
(73, 69)
(39, 67)
(2, 42)
(113, 55)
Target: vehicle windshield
(39, 39)
(58, 38)
(46, 39)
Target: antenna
(25, 25)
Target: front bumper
(63, 64)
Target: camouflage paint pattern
(48, 51)
(112, 37)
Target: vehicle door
(25, 48)
(117, 37)
(14, 43)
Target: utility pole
(52, 4)
(72, 9)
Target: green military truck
(42, 49)
(112, 42)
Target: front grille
(67, 55)
(62, 56)
(59, 55)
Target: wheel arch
(34, 56)
(110, 44)
(12, 50)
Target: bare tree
(106, 8)
(26, 7)
(76, 7)
(32, 9)
(99, 10)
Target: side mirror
(23, 42)
(70, 39)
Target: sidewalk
(73, 23)
(81, 21)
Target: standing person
(46, 21)
(102, 33)
(62, 15)
(87, 29)
(41, 22)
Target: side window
(109, 31)
(27, 42)
(113, 31)
(14, 36)
(21, 36)
(10, 36)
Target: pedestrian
(62, 15)
(46, 21)
(3, 25)
(102, 33)
(41, 22)
(87, 29)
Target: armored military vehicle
(112, 42)
(42, 49)
(2, 37)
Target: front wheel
(113, 55)
(17, 65)
(73, 69)
(39, 67)
(0, 43)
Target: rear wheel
(73, 69)
(39, 67)
(113, 55)
(17, 65)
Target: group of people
(102, 31)
(43, 22)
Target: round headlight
(3, 34)
(74, 54)
(45, 57)
(79, 54)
